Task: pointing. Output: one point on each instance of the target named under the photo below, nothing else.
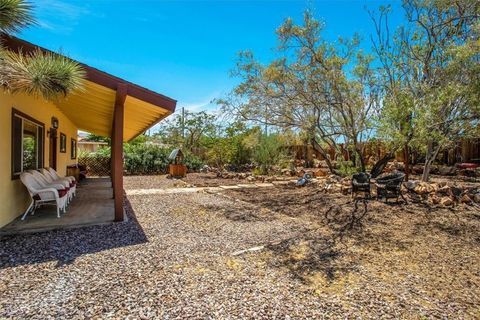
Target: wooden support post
(117, 150)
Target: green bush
(193, 162)
(268, 152)
(145, 159)
(139, 158)
(346, 168)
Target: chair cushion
(62, 193)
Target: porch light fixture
(54, 123)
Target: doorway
(52, 153)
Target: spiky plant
(38, 73)
(15, 15)
(47, 74)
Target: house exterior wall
(89, 146)
(14, 198)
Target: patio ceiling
(92, 109)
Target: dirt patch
(210, 179)
(191, 180)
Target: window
(63, 143)
(73, 149)
(27, 143)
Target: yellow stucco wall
(14, 198)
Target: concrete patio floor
(93, 205)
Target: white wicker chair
(71, 179)
(64, 181)
(58, 184)
(41, 194)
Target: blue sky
(183, 49)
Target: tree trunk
(429, 159)
(361, 158)
(406, 156)
(378, 167)
(318, 147)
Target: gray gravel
(173, 260)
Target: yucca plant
(15, 15)
(38, 73)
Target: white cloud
(60, 16)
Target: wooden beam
(117, 149)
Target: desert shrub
(346, 168)
(193, 162)
(145, 159)
(268, 152)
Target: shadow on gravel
(64, 246)
(322, 251)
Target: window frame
(63, 137)
(40, 160)
(73, 149)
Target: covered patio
(93, 205)
(108, 106)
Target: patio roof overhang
(92, 109)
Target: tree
(188, 131)
(37, 73)
(433, 69)
(324, 90)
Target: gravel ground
(174, 259)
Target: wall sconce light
(54, 123)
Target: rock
(435, 199)
(412, 184)
(417, 169)
(444, 190)
(447, 171)
(465, 199)
(422, 188)
(446, 201)
(320, 173)
(476, 198)
(442, 184)
(205, 169)
(468, 173)
(251, 179)
(346, 189)
(334, 178)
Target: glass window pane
(29, 145)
